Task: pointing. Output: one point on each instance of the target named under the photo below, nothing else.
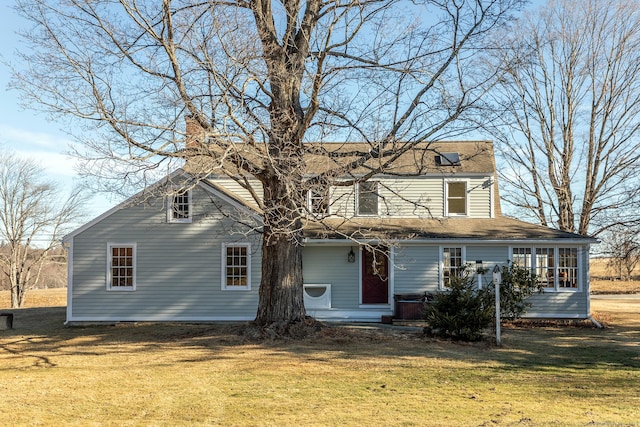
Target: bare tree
(569, 108)
(33, 213)
(261, 79)
(622, 247)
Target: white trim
(335, 315)
(556, 258)
(391, 272)
(111, 245)
(492, 201)
(446, 182)
(70, 279)
(160, 318)
(542, 315)
(223, 266)
(170, 211)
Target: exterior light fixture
(351, 257)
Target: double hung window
(368, 198)
(319, 201)
(456, 203)
(236, 266)
(179, 207)
(121, 267)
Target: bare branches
(32, 219)
(569, 98)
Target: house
(188, 249)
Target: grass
(600, 284)
(186, 374)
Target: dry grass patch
(182, 374)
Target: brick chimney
(195, 135)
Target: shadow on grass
(39, 334)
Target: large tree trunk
(281, 299)
(281, 287)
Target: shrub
(463, 311)
(516, 285)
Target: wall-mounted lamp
(351, 256)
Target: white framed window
(318, 201)
(556, 268)
(121, 266)
(367, 198)
(179, 207)
(522, 258)
(452, 263)
(456, 200)
(568, 268)
(545, 266)
(236, 266)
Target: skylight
(448, 159)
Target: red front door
(375, 276)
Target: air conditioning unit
(317, 296)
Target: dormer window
(318, 201)
(367, 198)
(179, 207)
(456, 198)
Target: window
(236, 266)
(319, 201)
(555, 268)
(368, 198)
(456, 198)
(179, 207)
(522, 257)
(545, 267)
(451, 264)
(121, 268)
(568, 267)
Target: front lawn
(176, 374)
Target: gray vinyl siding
(416, 269)
(178, 265)
(329, 265)
(558, 305)
(408, 197)
(489, 255)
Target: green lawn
(174, 374)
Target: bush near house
(463, 311)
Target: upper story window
(367, 198)
(121, 267)
(456, 198)
(555, 268)
(319, 201)
(236, 266)
(179, 207)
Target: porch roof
(475, 229)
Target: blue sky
(28, 133)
